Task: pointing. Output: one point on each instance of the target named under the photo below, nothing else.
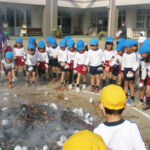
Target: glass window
(19, 17)
(141, 17)
(122, 17)
(93, 19)
(10, 15)
(28, 17)
(80, 17)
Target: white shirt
(7, 65)
(80, 59)
(130, 61)
(62, 56)
(54, 51)
(32, 59)
(71, 56)
(141, 39)
(19, 52)
(48, 50)
(43, 57)
(94, 58)
(117, 60)
(145, 69)
(121, 135)
(109, 54)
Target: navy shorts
(7, 71)
(115, 70)
(126, 70)
(54, 62)
(96, 70)
(34, 68)
(62, 68)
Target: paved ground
(37, 95)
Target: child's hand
(74, 71)
(30, 69)
(46, 65)
(66, 66)
(62, 64)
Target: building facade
(76, 16)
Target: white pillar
(86, 22)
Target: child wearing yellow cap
(117, 133)
(85, 140)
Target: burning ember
(34, 126)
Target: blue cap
(31, 40)
(41, 44)
(94, 41)
(80, 45)
(31, 46)
(128, 43)
(19, 40)
(134, 42)
(145, 48)
(120, 47)
(70, 43)
(9, 55)
(109, 39)
(48, 39)
(121, 40)
(147, 41)
(67, 38)
(53, 42)
(62, 43)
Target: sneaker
(97, 90)
(53, 80)
(62, 85)
(140, 104)
(77, 89)
(92, 89)
(129, 101)
(70, 86)
(84, 86)
(146, 107)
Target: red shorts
(71, 65)
(19, 61)
(148, 81)
(42, 66)
(80, 69)
(107, 65)
(120, 69)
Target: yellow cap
(85, 140)
(113, 97)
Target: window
(28, 17)
(80, 18)
(122, 17)
(19, 17)
(93, 19)
(141, 17)
(10, 15)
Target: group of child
(71, 61)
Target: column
(49, 17)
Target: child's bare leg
(9, 80)
(54, 72)
(131, 86)
(114, 78)
(84, 79)
(120, 80)
(23, 70)
(126, 86)
(104, 77)
(33, 76)
(78, 78)
(16, 70)
(92, 80)
(110, 77)
(98, 80)
(147, 98)
(62, 77)
(50, 70)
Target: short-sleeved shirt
(7, 65)
(121, 135)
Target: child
(79, 64)
(19, 56)
(54, 58)
(142, 38)
(145, 68)
(31, 63)
(7, 67)
(71, 57)
(48, 46)
(121, 40)
(62, 60)
(129, 67)
(117, 133)
(117, 64)
(95, 60)
(109, 54)
(32, 40)
(43, 60)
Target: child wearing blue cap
(71, 57)
(8, 68)
(31, 63)
(109, 54)
(54, 58)
(43, 60)
(144, 50)
(19, 56)
(117, 64)
(129, 68)
(32, 40)
(95, 60)
(62, 60)
(79, 64)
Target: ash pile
(36, 127)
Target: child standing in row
(8, 67)
(109, 54)
(95, 60)
(71, 57)
(62, 60)
(43, 60)
(31, 64)
(79, 64)
(19, 56)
